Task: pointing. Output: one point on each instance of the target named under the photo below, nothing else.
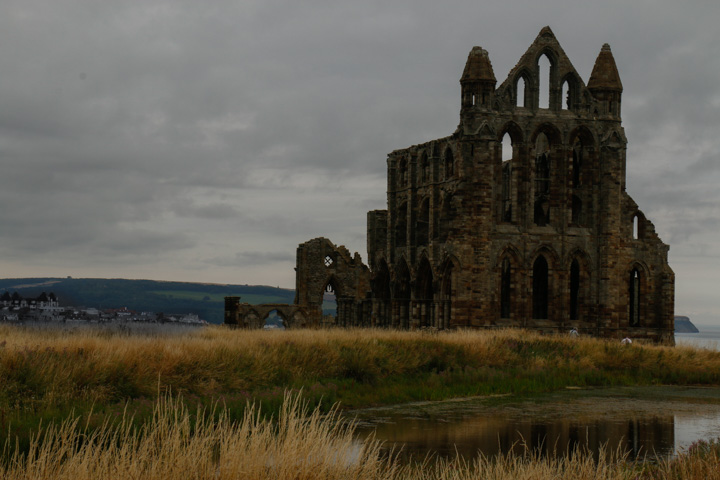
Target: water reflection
(553, 425)
(494, 435)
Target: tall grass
(44, 375)
(299, 445)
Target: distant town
(47, 309)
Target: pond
(639, 421)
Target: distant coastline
(707, 337)
(684, 325)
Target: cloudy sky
(203, 141)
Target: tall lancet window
(506, 215)
(634, 295)
(544, 68)
(540, 288)
(541, 207)
(577, 163)
(574, 290)
(505, 284)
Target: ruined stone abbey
(540, 234)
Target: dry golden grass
(46, 368)
(177, 445)
(299, 446)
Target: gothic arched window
(574, 289)
(540, 288)
(505, 284)
(634, 295)
(541, 210)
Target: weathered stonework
(542, 237)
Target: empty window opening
(507, 191)
(577, 164)
(520, 93)
(542, 182)
(635, 227)
(273, 321)
(508, 153)
(634, 295)
(574, 289)
(540, 288)
(544, 81)
(542, 165)
(577, 213)
(505, 284)
(402, 173)
(474, 99)
(329, 304)
(507, 148)
(566, 101)
(329, 261)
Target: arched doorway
(274, 321)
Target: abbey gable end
(540, 234)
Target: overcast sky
(204, 140)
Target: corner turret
(478, 80)
(605, 84)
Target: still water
(640, 421)
(708, 337)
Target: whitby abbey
(540, 234)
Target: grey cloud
(139, 242)
(251, 258)
(163, 126)
(217, 211)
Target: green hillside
(203, 299)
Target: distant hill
(684, 325)
(204, 299)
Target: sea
(708, 337)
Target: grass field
(104, 377)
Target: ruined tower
(540, 234)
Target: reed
(300, 444)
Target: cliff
(684, 325)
